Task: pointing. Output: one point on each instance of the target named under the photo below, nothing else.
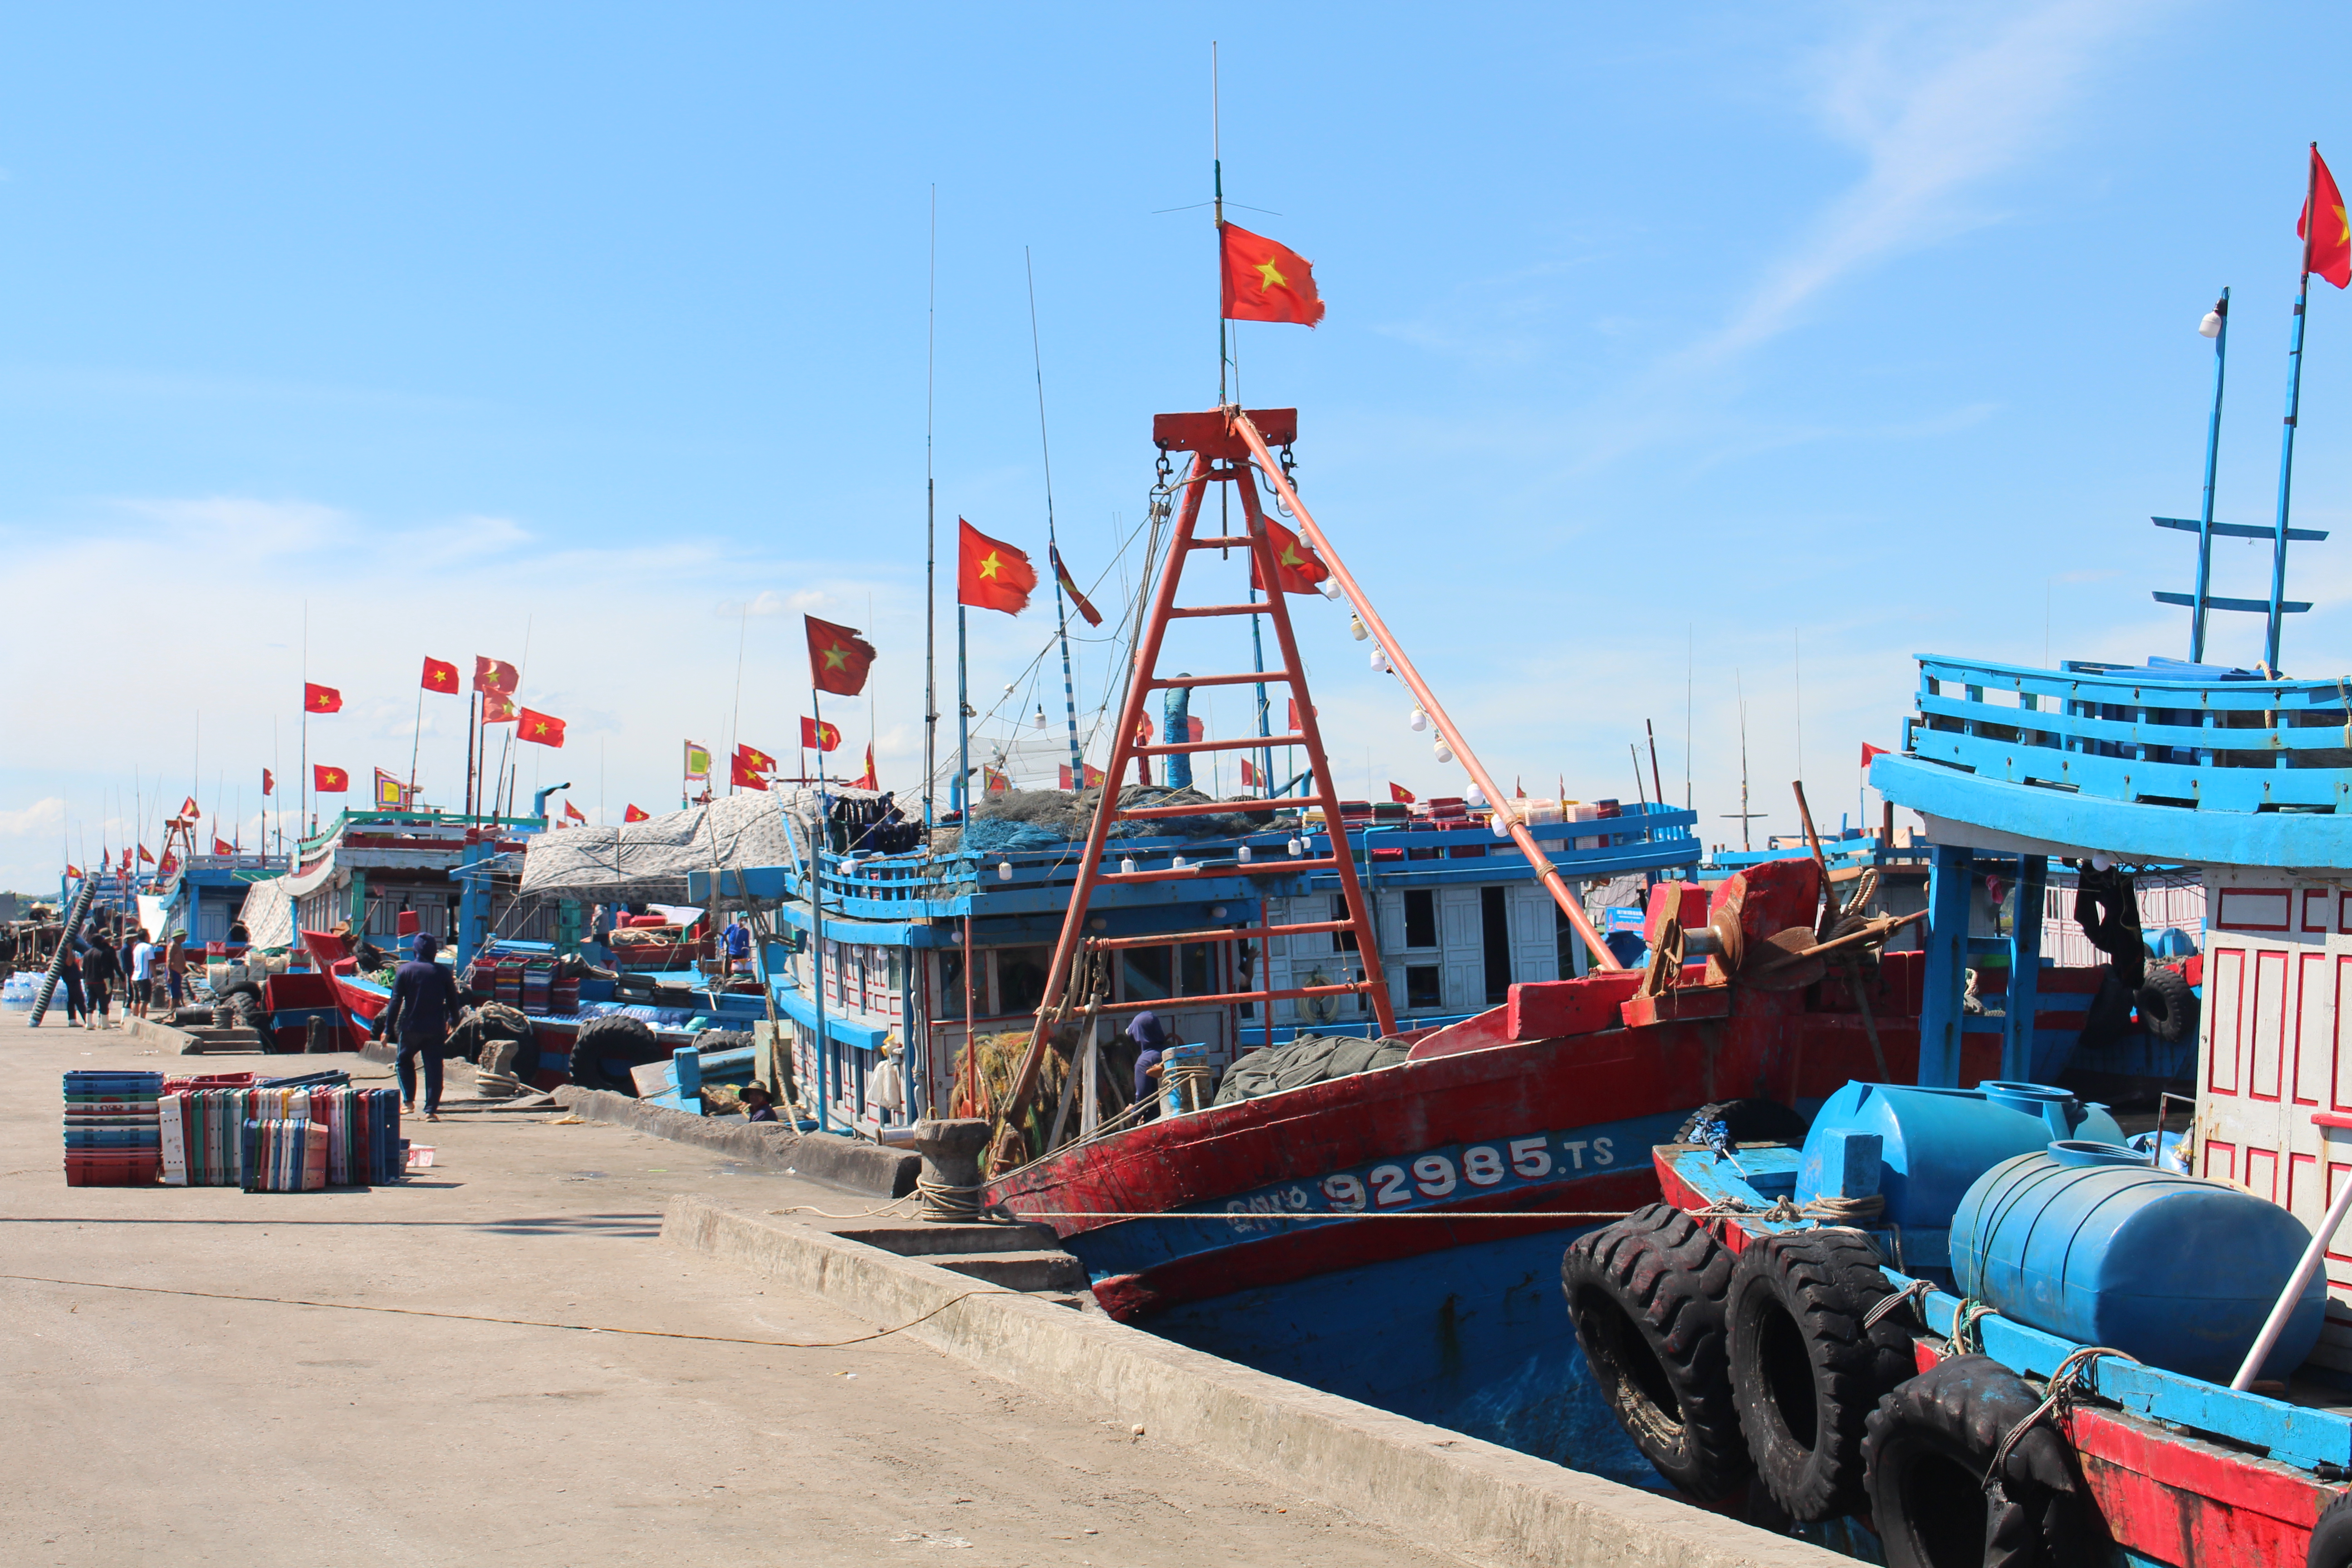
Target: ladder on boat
(1231, 446)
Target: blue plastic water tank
(1938, 1140)
(2095, 1245)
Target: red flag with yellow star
(497, 709)
(838, 657)
(1294, 562)
(867, 779)
(990, 574)
(754, 759)
(440, 675)
(637, 814)
(819, 735)
(328, 781)
(1267, 281)
(317, 699)
(494, 675)
(2327, 244)
(539, 729)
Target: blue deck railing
(2156, 734)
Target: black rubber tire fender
(2167, 1007)
(617, 1039)
(723, 1040)
(2331, 1538)
(1805, 1374)
(1645, 1297)
(1747, 1122)
(1927, 1448)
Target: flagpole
(303, 814)
(958, 793)
(415, 738)
(2213, 452)
(1217, 180)
(2294, 402)
(818, 838)
(930, 541)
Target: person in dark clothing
(757, 1105)
(70, 982)
(424, 1005)
(100, 970)
(1151, 1044)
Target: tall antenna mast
(930, 533)
(1061, 611)
(1743, 813)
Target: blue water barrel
(2095, 1245)
(1937, 1140)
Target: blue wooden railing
(2161, 734)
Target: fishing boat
(1391, 1234)
(1967, 1319)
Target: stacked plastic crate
(248, 1137)
(112, 1135)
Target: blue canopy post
(1946, 976)
(2024, 969)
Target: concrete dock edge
(1452, 1493)
(848, 1162)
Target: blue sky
(1749, 349)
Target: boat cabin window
(1420, 917)
(1341, 940)
(1145, 974)
(1422, 986)
(1195, 970)
(1495, 929)
(1021, 978)
(950, 973)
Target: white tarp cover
(268, 912)
(649, 860)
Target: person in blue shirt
(737, 940)
(423, 1007)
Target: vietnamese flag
(494, 675)
(572, 812)
(1093, 774)
(540, 730)
(75, 872)
(865, 780)
(222, 845)
(145, 858)
(819, 735)
(1401, 794)
(2327, 244)
(318, 699)
(756, 760)
(838, 657)
(328, 781)
(268, 782)
(497, 709)
(1249, 775)
(1070, 586)
(740, 775)
(1869, 750)
(989, 573)
(633, 815)
(188, 808)
(1295, 562)
(440, 675)
(1267, 281)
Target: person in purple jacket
(423, 1007)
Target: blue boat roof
(2194, 764)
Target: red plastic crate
(114, 1168)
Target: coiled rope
(2068, 1381)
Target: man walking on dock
(423, 1004)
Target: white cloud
(44, 820)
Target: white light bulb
(1127, 866)
(2101, 863)
(1217, 912)
(1041, 716)
(1475, 797)
(1295, 847)
(1329, 587)
(1380, 660)
(1502, 826)
(2210, 327)
(1243, 855)
(1445, 752)
(1356, 628)
(1176, 863)
(1420, 720)
(1005, 870)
